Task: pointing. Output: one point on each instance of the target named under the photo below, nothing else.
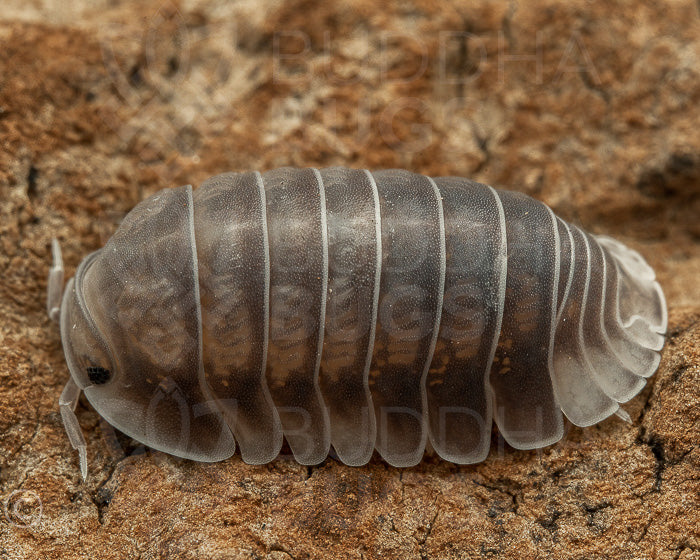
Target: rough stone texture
(104, 102)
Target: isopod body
(363, 310)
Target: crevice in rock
(550, 522)
(592, 512)
(675, 332)
(656, 446)
(25, 444)
(645, 529)
(647, 404)
(428, 531)
(30, 471)
(102, 498)
(678, 372)
(514, 495)
(102, 495)
(483, 142)
(32, 177)
(677, 176)
(463, 67)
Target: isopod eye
(98, 375)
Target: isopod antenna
(71, 392)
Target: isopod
(364, 310)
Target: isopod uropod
(364, 310)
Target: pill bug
(363, 310)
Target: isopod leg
(623, 415)
(67, 403)
(55, 284)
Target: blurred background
(589, 106)
(592, 107)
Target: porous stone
(592, 107)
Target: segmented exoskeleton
(364, 310)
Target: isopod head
(129, 339)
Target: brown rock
(103, 103)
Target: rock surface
(592, 107)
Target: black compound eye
(98, 375)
